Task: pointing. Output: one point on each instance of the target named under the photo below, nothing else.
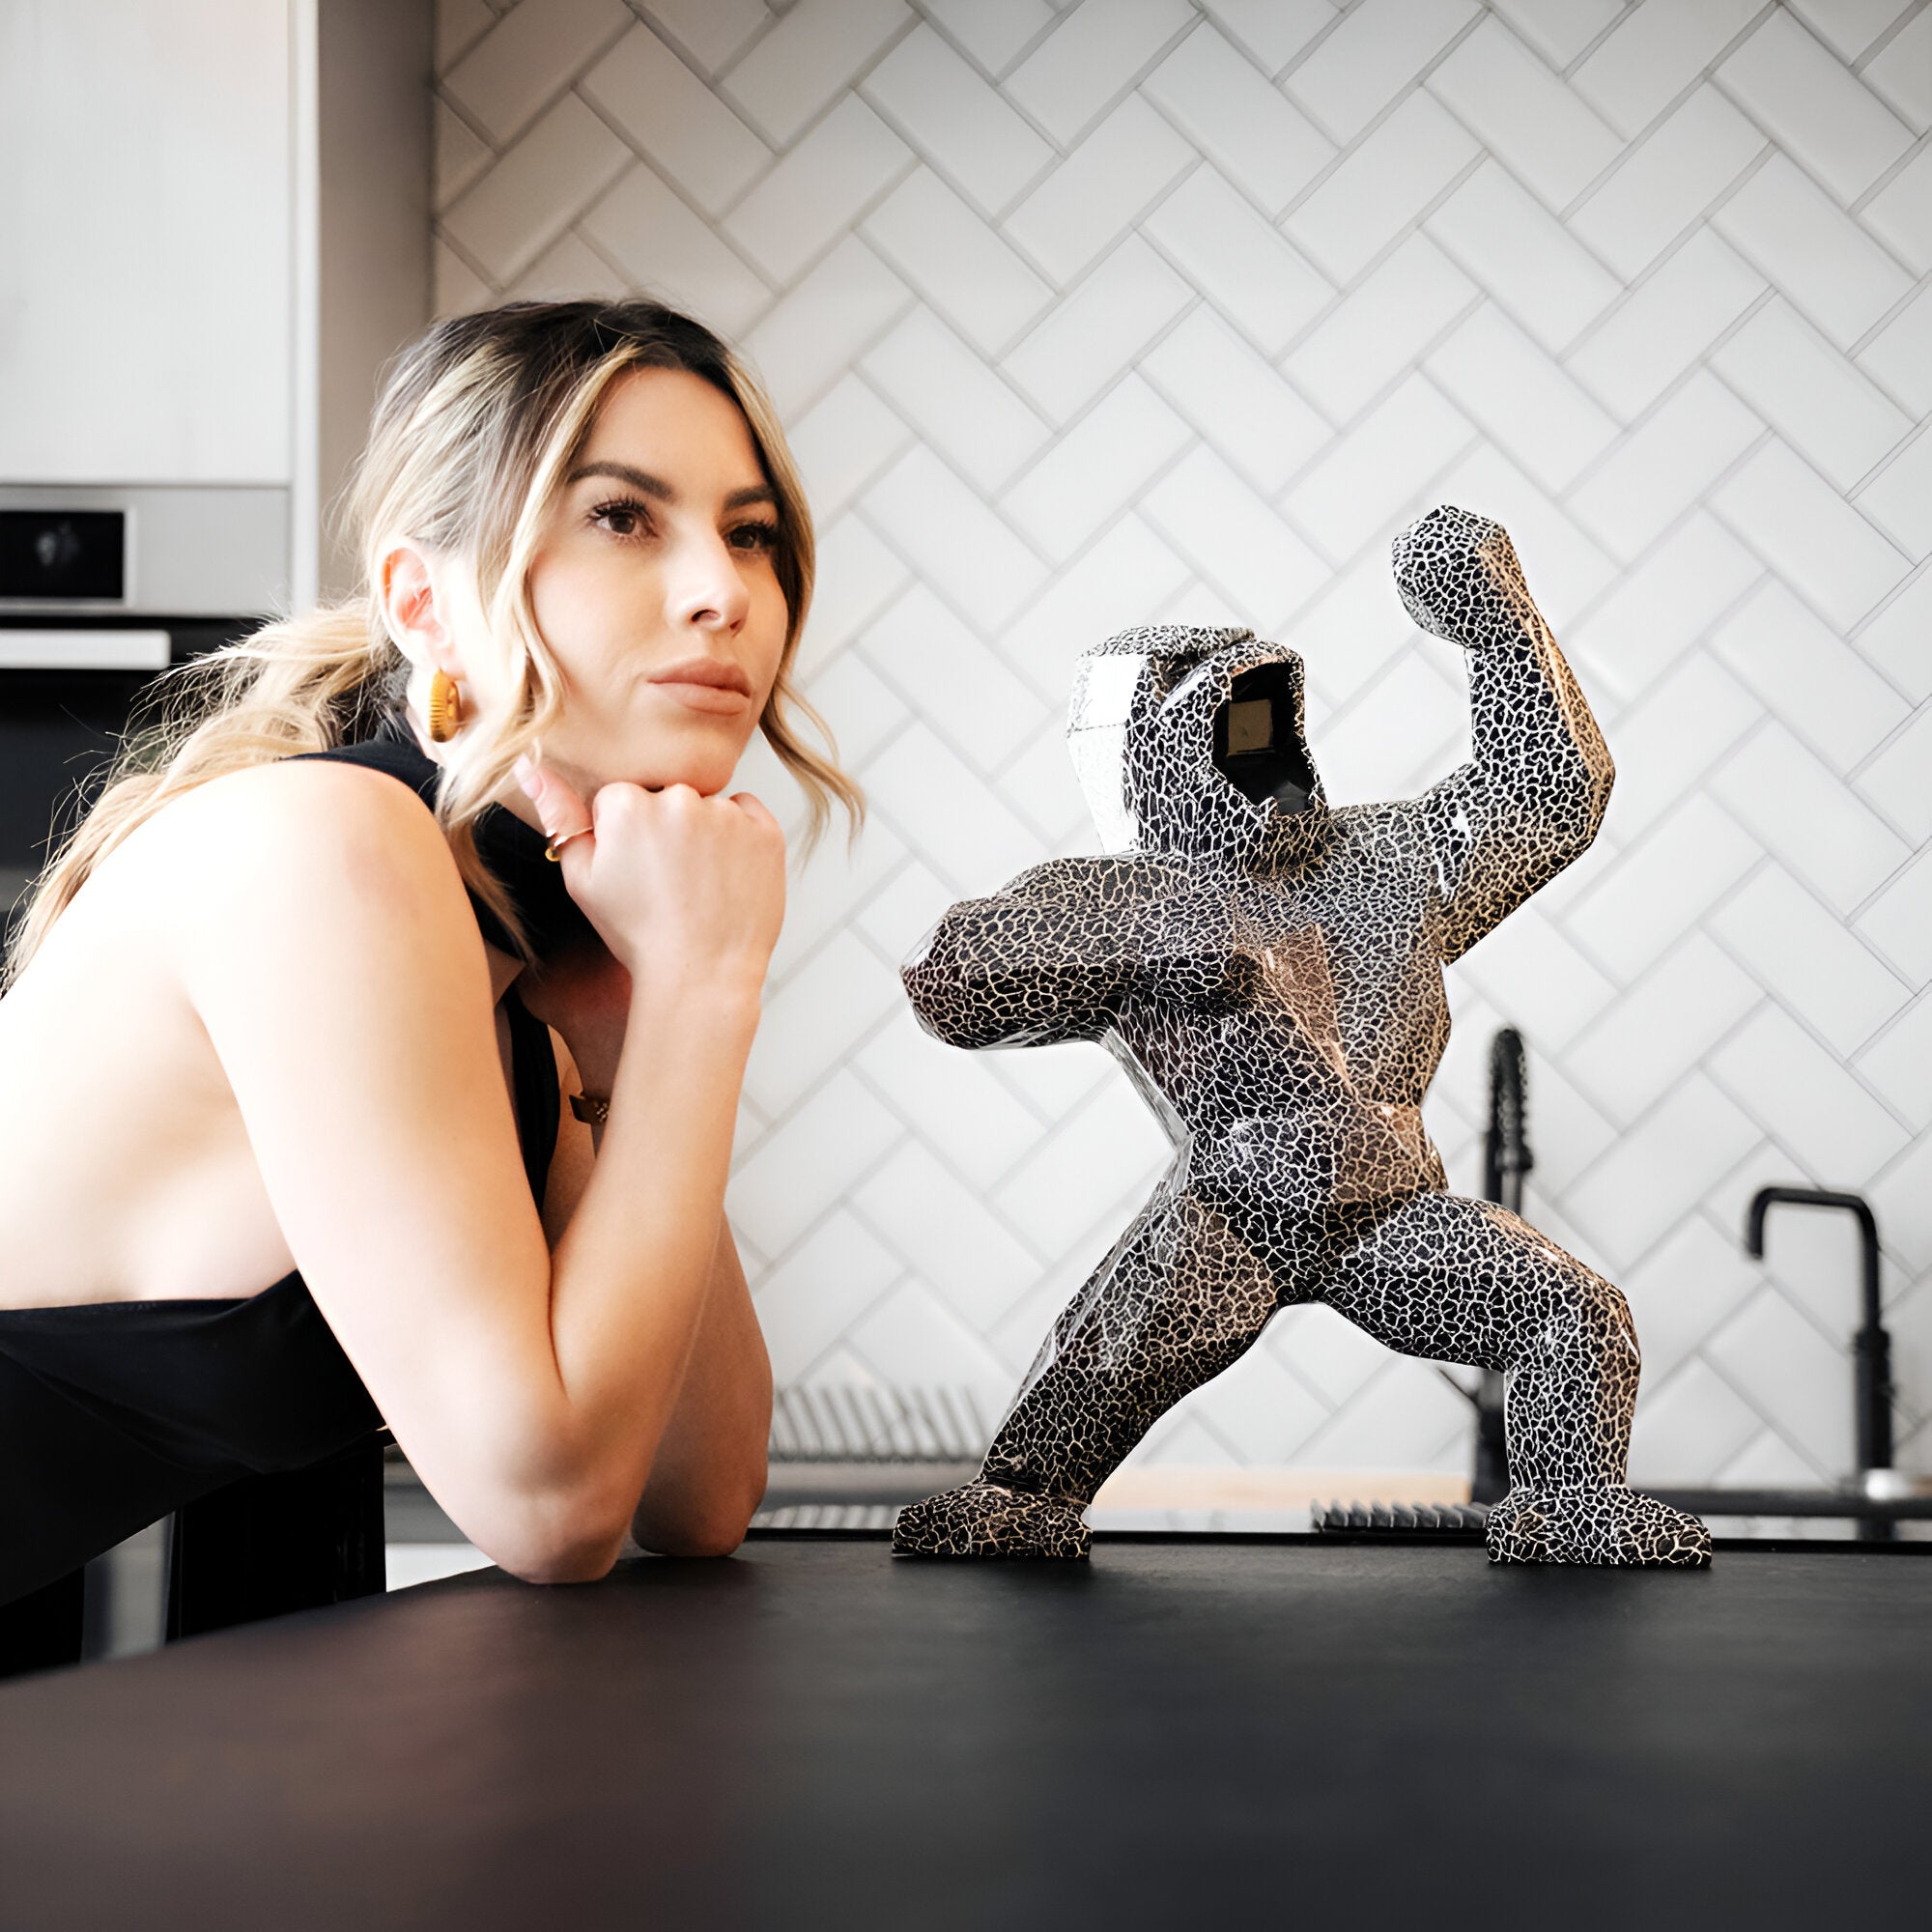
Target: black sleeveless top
(114, 1413)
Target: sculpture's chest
(1337, 964)
(1362, 924)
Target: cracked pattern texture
(1269, 974)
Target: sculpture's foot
(1594, 1524)
(984, 1519)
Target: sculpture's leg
(1179, 1299)
(1467, 1281)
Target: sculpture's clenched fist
(1459, 579)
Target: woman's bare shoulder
(311, 840)
(298, 885)
(320, 799)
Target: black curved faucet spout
(1872, 1372)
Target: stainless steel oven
(101, 588)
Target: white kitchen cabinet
(214, 231)
(146, 270)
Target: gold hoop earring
(445, 707)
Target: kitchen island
(1184, 1731)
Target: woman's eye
(625, 518)
(628, 518)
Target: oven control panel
(57, 557)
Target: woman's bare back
(126, 1169)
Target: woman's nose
(707, 589)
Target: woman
(269, 1020)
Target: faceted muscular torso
(1329, 1005)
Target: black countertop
(812, 1733)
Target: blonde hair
(477, 426)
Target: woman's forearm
(709, 1472)
(632, 1273)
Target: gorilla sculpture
(1270, 973)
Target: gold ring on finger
(554, 849)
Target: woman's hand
(684, 890)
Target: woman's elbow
(585, 1561)
(574, 1569)
(712, 1524)
(560, 1545)
(715, 1537)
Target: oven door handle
(87, 649)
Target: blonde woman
(286, 1153)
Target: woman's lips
(714, 699)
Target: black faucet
(1506, 1154)
(1872, 1348)
(1506, 1160)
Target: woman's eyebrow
(643, 481)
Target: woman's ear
(410, 609)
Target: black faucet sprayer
(1506, 1160)
(1871, 1373)
(1506, 1154)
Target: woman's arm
(325, 940)
(710, 1471)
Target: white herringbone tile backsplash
(1084, 314)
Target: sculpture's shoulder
(1098, 880)
(1393, 835)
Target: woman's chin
(704, 760)
(707, 777)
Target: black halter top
(114, 1413)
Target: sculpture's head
(1190, 741)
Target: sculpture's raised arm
(1532, 797)
(1046, 958)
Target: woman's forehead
(657, 418)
